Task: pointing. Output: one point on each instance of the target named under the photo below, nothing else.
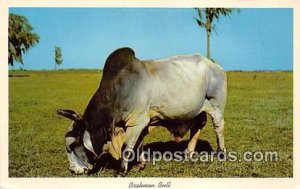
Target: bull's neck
(96, 113)
(98, 122)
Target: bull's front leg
(140, 150)
(134, 135)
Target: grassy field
(259, 117)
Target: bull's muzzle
(78, 170)
(77, 166)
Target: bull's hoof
(189, 153)
(121, 174)
(141, 166)
(221, 154)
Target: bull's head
(83, 149)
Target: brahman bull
(174, 92)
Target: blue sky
(254, 39)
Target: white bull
(175, 92)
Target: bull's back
(179, 86)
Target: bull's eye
(68, 149)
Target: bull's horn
(75, 116)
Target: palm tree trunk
(208, 32)
(208, 44)
(55, 67)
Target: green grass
(258, 116)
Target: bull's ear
(75, 116)
(87, 142)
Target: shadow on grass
(108, 162)
(171, 146)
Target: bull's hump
(118, 60)
(121, 53)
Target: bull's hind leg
(198, 123)
(215, 107)
(218, 122)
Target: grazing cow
(133, 95)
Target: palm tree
(211, 14)
(20, 38)
(58, 56)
